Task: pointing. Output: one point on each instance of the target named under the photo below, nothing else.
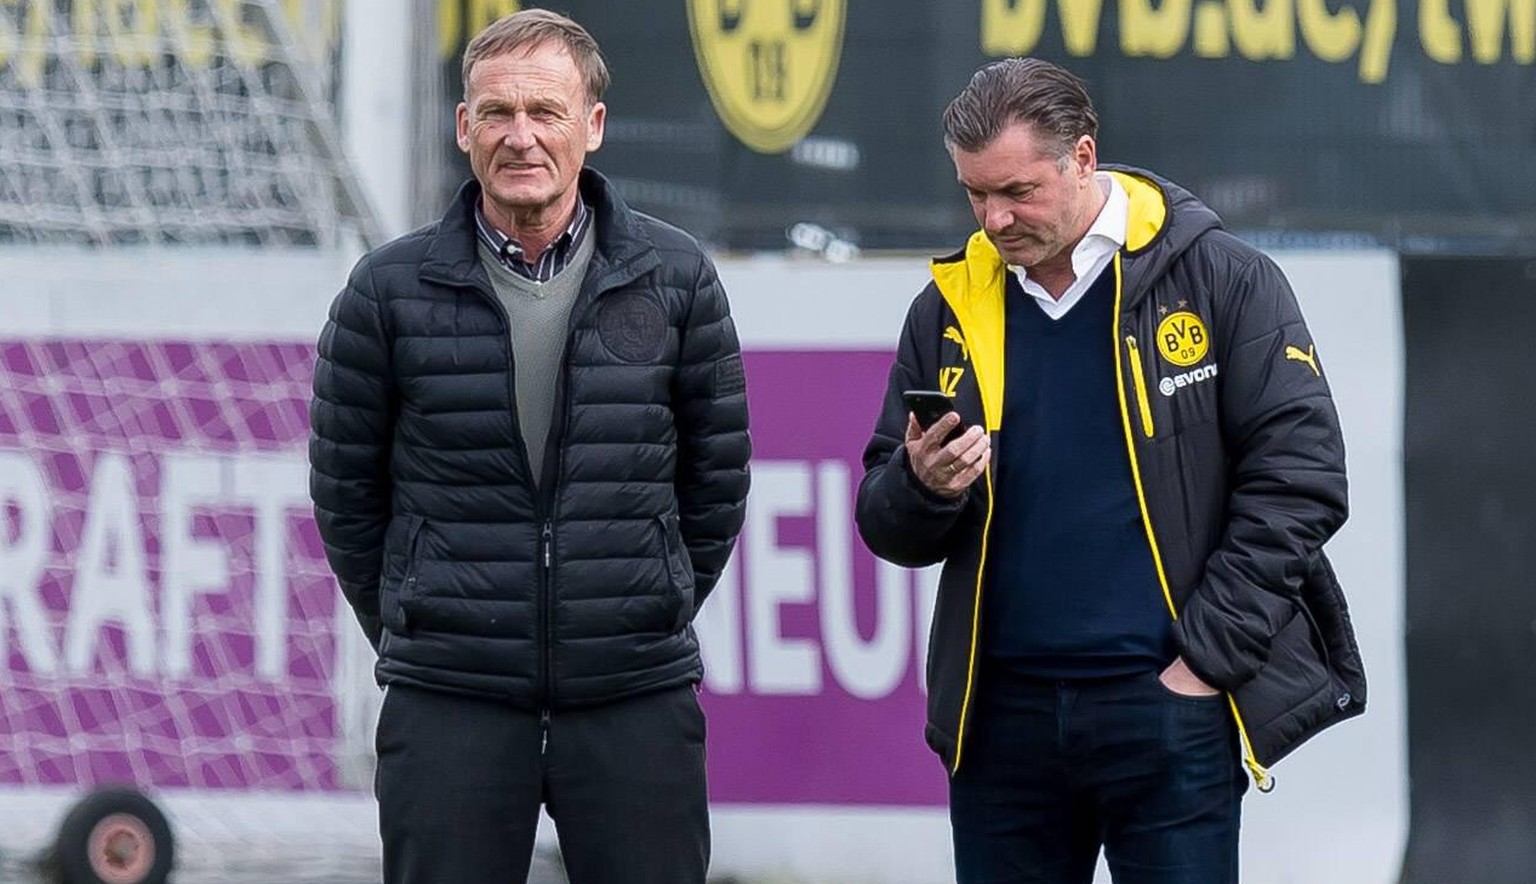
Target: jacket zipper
(546, 627)
(543, 493)
(1263, 780)
(541, 510)
(1143, 404)
(970, 666)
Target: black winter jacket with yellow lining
(1234, 448)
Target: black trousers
(1053, 771)
(460, 781)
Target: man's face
(1032, 204)
(526, 126)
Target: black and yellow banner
(1406, 122)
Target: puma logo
(953, 334)
(1309, 357)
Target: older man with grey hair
(529, 465)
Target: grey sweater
(538, 315)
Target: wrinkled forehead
(1005, 162)
(545, 68)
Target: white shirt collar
(1091, 254)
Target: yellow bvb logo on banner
(768, 64)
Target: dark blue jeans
(1053, 771)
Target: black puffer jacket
(1234, 448)
(467, 575)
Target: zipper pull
(549, 535)
(544, 732)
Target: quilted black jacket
(467, 575)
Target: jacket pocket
(397, 594)
(1139, 382)
(1322, 597)
(1294, 695)
(679, 573)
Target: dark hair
(1020, 90)
(532, 27)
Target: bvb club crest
(768, 64)
(1182, 338)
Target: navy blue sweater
(1071, 589)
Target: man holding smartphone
(1135, 605)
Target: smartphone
(929, 406)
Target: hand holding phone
(930, 405)
(950, 467)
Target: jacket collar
(971, 281)
(622, 249)
(1163, 221)
(1166, 221)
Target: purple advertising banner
(167, 614)
(167, 618)
(812, 649)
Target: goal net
(173, 121)
(175, 214)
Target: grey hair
(1020, 90)
(533, 27)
